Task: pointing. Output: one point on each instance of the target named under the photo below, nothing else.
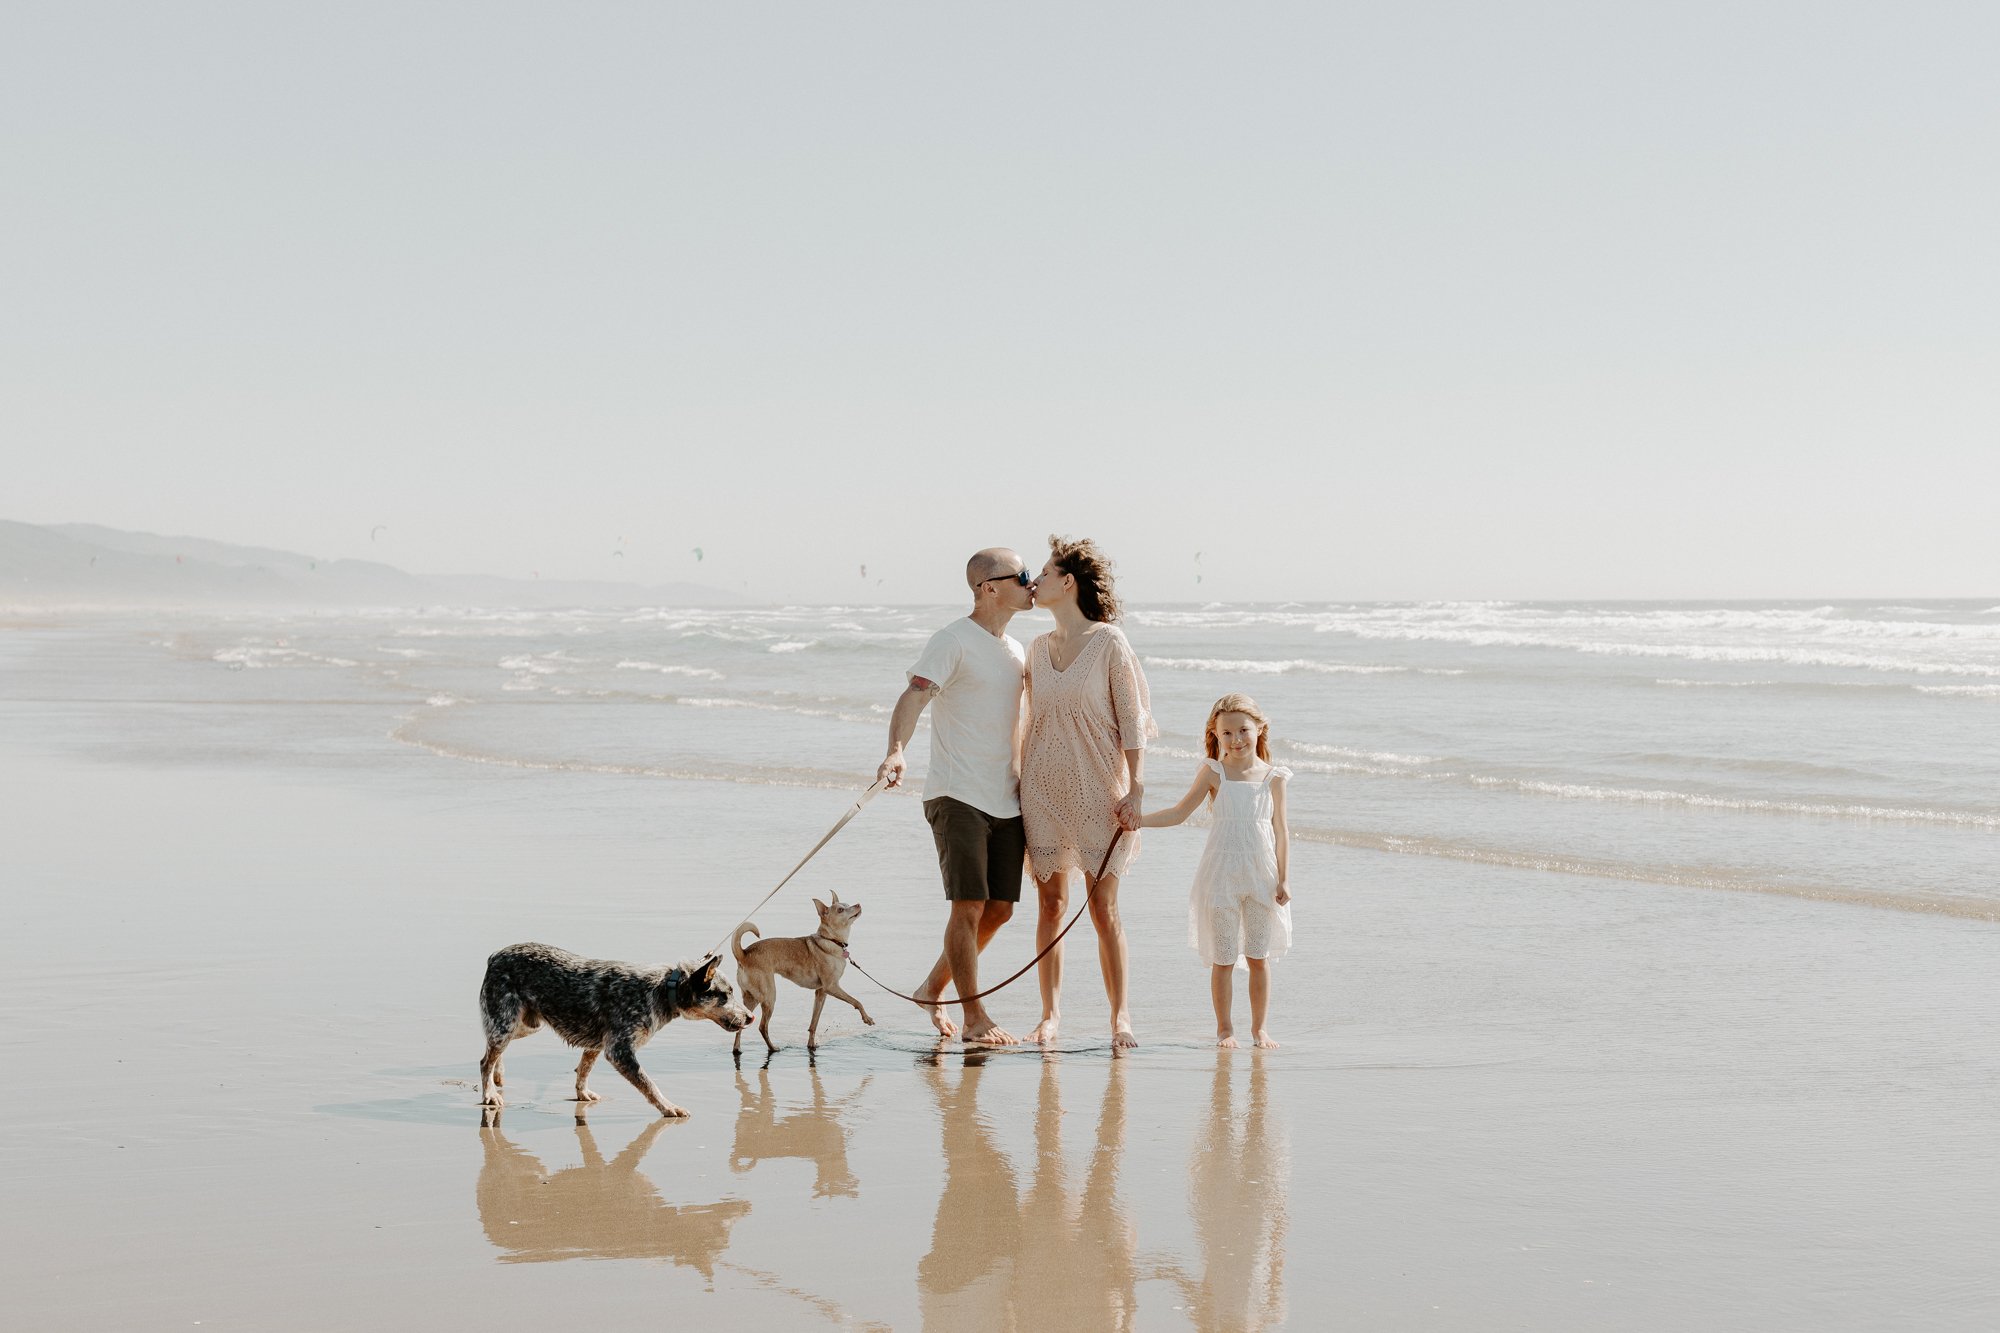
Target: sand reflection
(1237, 1186)
(597, 1210)
(1046, 1250)
(1033, 1228)
(813, 1132)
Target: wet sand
(238, 993)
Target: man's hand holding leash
(903, 725)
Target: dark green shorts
(981, 856)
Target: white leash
(838, 825)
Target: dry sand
(238, 998)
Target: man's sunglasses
(1020, 576)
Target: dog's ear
(821, 907)
(706, 972)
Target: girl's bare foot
(1122, 1038)
(1045, 1031)
(1225, 1038)
(1264, 1042)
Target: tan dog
(813, 961)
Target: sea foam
(1264, 668)
(671, 669)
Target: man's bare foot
(943, 1024)
(1122, 1038)
(1225, 1038)
(989, 1033)
(1264, 1042)
(1045, 1031)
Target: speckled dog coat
(605, 1007)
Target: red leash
(967, 999)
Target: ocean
(1835, 751)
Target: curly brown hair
(1091, 568)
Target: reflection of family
(1039, 754)
(1032, 1248)
(1038, 1246)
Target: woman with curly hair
(1089, 717)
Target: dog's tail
(736, 942)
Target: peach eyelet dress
(1081, 721)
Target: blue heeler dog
(606, 1008)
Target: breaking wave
(1578, 791)
(672, 669)
(1692, 877)
(1688, 652)
(1252, 667)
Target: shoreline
(1451, 1091)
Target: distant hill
(83, 565)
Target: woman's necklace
(1059, 643)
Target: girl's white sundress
(1233, 909)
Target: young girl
(1240, 904)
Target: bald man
(974, 674)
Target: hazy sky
(1359, 301)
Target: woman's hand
(1129, 808)
(1284, 896)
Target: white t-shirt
(974, 716)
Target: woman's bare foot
(1264, 1042)
(944, 1025)
(1045, 1031)
(1226, 1038)
(1122, 1038)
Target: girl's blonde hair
(1244, 704)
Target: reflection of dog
(598, 1210)
(813, 961)
(811, 1132)
(604, 1007)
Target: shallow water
(245, 929)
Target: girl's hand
(1284, 894)
(1127, 811)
